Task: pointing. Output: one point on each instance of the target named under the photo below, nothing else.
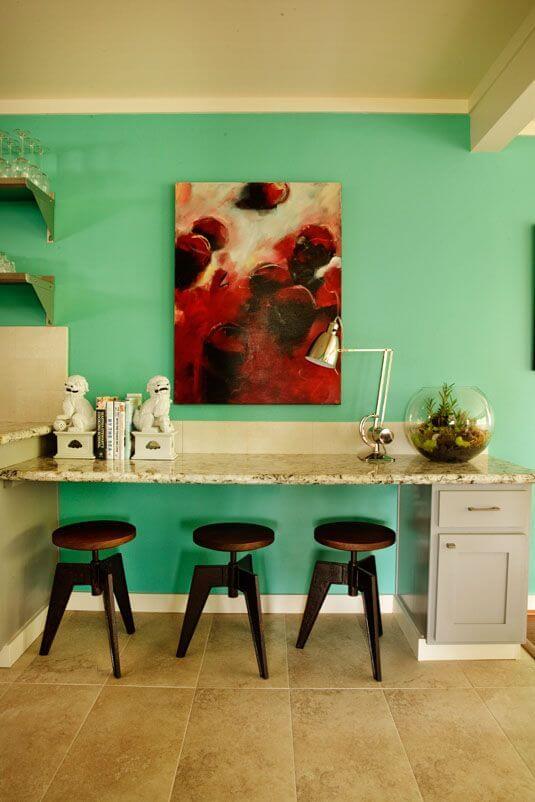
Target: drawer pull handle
(451, 546)
(484, 509)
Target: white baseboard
(219, 603)
(531, 603)
(16, 647)
(424, 651)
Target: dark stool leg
(109, 607)
(325, 574)
(205, 577)
(368, 586)
(120, 589)
(248, 584)
(66, 576)
(368, 563)
(246, 563)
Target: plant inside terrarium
(447, 433)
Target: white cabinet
(481, 588)
(462, 569)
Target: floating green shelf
(21, 189)
(43, 287)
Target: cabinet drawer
(506, 509)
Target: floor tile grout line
(62, 684)
(264, 688)
(201, 662)
(531, 771)
(76, 734)
(401, 742)
(173, 780)
(193, 695)
(467, 678)
(290, 704)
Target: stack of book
(114, 425)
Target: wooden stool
(105, 577)
(235, 576)
(361, 575)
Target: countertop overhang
(12, 431)
(272, 469)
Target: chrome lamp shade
(325, 349)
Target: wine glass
(34, 172)
(21, 166)
(6, 265)
(41, 178)
(5, 164)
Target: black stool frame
(106, 577)
(359, 576)
(237, 575)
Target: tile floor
(207, 728)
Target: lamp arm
(384, 385)
(386, 370)
(384, 380)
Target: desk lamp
(325, 352)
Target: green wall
(437, 263)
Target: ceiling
(432, 50)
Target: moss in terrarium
(447, 434)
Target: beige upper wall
(401, 49)
(33, 368)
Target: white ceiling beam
(503, 104)
(529, 130)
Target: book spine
(120, 429)
(115, 430)
(109, 429)
(128, 414)
(100, 451)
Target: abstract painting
(257, 279)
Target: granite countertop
(272, 469)
(11, 431)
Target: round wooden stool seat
(93, 535)
(354, 536)
(233, 536)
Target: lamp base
(375, 457)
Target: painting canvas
(257, 279)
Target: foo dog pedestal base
(75, 445)
(154, 445)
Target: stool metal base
(359, 576)
(106, 578)
(236, 576)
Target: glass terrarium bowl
(449, 423)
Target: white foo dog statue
(78, 414)
(153, 414)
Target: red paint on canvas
(257, 278)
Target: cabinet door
(481, 588)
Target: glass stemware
(41, 178)
(6, 265)
(21, 166)
(34, 172)
(5, 163)
(22, 157)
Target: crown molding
(233, 105)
